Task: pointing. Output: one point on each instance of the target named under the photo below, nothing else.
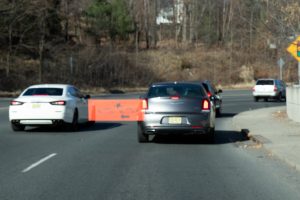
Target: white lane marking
(39, 162)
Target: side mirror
(87, 96)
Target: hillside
(107, 44)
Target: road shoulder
(271, 128)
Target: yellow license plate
(36, 105)
(175, 120)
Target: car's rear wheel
(266, 99)
(142, 137)
(279, 97)
(256, 99)
(17, 127)
(211, 135)
(218, 112)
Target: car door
(283, 88)
(81, 104)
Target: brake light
(16, 103)
(145, 104)
(175, 97)
(196, 127)
(205, 105)
(208, 94)
(253, 89)
(275, 89)
(58, 103)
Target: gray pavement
(271, 127)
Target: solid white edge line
(39, 162)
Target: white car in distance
(49, 104)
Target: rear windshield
(189, 91)
(265, 82)
(44, 92)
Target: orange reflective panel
(115, 110)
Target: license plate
(174, 120)
(36, 105)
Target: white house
(166, 15)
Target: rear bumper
(191, 124)
(175, 130)
(265, 94)
(37, 122)
(42, 117)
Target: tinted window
(265, 82)
(44, 91)
(209, 88)
(75, 92)
(189, 91)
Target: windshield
(44, 92)
(188, 91)
(265, 82)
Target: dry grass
(280, 115)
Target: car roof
(50, 85)
(269, 79)
(174, 83)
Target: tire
(256, 99)
(266, 99)
(142, 137)
(91, 123)
(211, 135)
(279, 98)
(17, 127)
(218, 112)
(73, 126)
(284, 99)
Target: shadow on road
(225, 115)
(82, 128)
(221, 137)
(225, 137)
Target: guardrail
(293, 102)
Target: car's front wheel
(73, 126)
(142, 137)
(17, 127)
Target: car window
(44, 92)
(78, 93)
(209, 88)
(265, 82)
(206, 87)
(188, 91)
(75, 92)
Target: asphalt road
(106, 162)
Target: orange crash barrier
(115, 110)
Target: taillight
(175, 97)
(145, 104)
(208, 94)
(206, 105)
(16, 103)
(253, 89)
(275, 89)
(58, 103)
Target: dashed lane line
(39, 162)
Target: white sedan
(49, 104)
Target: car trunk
(174, 105)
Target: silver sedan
(174, 107)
